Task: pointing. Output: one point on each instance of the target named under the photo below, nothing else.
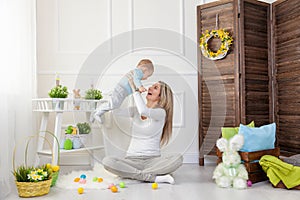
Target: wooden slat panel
(255, 91)
(217, 77)
(287, 59)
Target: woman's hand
(129, 75)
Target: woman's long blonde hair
(166, 102)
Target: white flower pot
(83, 139)
(92, 105)
(57, 104)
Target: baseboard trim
(191, 158)
(188, 158)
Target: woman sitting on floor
(151, 128)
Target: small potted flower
(57, 93)
(33, 181)
(93, 94)
(83, 129)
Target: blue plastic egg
(76, 143)
(83, 176)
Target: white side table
(58, 107)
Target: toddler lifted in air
(143, 71)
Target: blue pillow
(258, 138)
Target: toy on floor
(82, 181)
(111, 185)
(76, 179)
(96, 179)
(80, 190)
(249, 183)
(154, 186)
(114, 189)
(230, 172)
(122, 184)
(100, 180)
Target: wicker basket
(33, 189)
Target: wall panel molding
(179, 102)
(63, 50)
(73, 73)
(181, 31)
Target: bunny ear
(236, 142)
(222, 144)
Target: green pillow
(229, 132)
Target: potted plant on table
(83, 129)
(57, 93)
(93, 94)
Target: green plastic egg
(68, 144)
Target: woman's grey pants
(142, 168)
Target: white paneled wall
(103, 39)
(70, 31)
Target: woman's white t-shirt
(146, 133)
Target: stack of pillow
(255, 138)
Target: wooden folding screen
(238, 88)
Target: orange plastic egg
(114, 189)
(77, 179)
(100, 180)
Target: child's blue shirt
(137, 77)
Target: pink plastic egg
(110, 185)
(82, 181)
(249, 183)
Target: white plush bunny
(231, 172)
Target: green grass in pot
(93, 94)
(58, 92)
(84, 128)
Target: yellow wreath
(226, 41)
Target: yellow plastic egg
(80, 190)
(154, 186)
(55, 168)
(48, 165)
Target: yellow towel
(278, 170)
